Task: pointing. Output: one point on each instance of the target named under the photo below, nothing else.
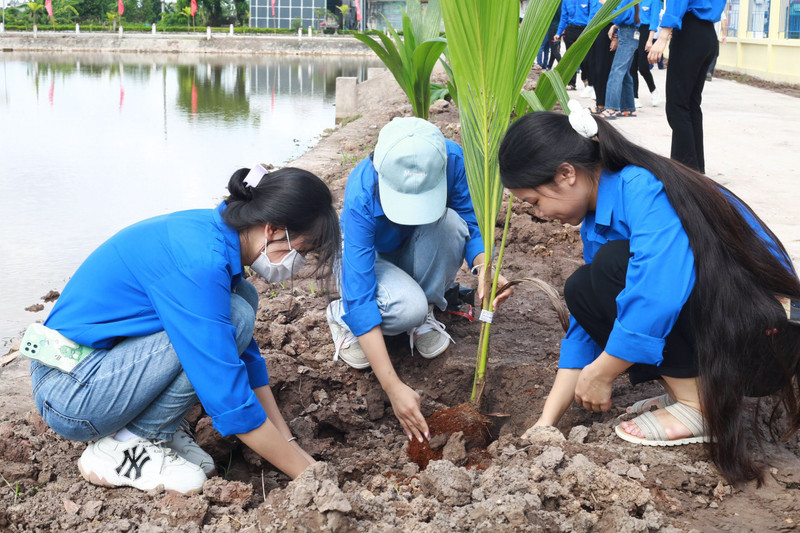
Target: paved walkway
(752, 145)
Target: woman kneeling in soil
(680, 285)
(171, 321)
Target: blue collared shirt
(625, 18)
(710, 10)
(650, 13)
(573, 12)
(366, 231)
(632, 205)
(172, 273)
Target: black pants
(600, 63)
(640, 65)
(691, 52)
(571, 34)
(555, 46)
(591, 295)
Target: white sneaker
(587, 92)
(655, 98)
(139, 463)
(183, 444)
(347, 347)
(637, 103)
(430, 338)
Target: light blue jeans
(138, 384)
(619, 90)
(416, 274)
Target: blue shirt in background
(625, 18)
(710, 10)
(632, 205)
(366, 231)
(650, 13)
(172, 273)
(574, 13)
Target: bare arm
(657, 50)
(561, 395)
(267, 401)
(405, 400)
(268, 442)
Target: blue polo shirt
(172, 273)
(573, 13)
(650, 13)
(366, 231)
(632, 205)
(709, 10)
(625, 18)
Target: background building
(762, 39)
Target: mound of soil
(525, 480)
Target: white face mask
(276, 272)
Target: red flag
(48, 5)
(120, 7)
(194, 7)
(358, 10)
(194, 96)
(273, 8)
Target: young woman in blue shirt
(693, 46)
(680, 285)
(407, 225)
(170, 317)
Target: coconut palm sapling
(490, 57)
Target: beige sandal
(639, 407)
(654, 433)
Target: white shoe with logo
(183, 444)
(140, 463)
(430, 339)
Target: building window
(790, 19)
(758, 25)
(731, 16)
(285, 11)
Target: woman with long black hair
(680, 285)
(164, 318)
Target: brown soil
(536, 480)
(783, 88)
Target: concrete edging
(219, 43)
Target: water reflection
(90, 143)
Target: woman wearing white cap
(407, 226)
(167, 320)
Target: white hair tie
(254, 176)
(581, 119)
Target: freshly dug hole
(443, 424)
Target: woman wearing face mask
(170, 320)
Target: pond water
(90, 143)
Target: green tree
(33, 8)
(411, 58)
(187, 12)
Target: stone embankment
(219, 43)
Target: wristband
(474, 269)
(290, 440)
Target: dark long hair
(733, 302)
(289, 198)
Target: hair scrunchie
(253, 177)
(581, 120)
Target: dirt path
(584, 479)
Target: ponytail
(289, 198)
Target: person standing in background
(619, 91)
(574, 17)
(649, 11)
(601, 55)
(694, 45)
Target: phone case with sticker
(51, 348)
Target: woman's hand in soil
(406, 407)
(302, 452)
(593, 389)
